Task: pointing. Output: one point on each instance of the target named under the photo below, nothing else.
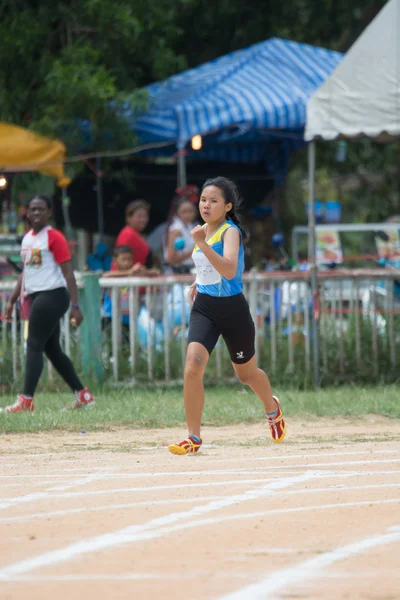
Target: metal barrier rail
(151, 342)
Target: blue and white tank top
(208, 280)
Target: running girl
(220, 309)
(43, 284)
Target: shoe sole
(175, 449)
(83, 406)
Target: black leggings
(46, 310)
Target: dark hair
(41, 197)
(231, 195)
(136, 205)
(176, 203)
(122, 250)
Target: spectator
(137, 218)
(124, 267)
(123, 261)
(178, 246)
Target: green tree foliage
(83, 59)
(227, 25)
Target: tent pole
(312, 259)
(99, 190)
(181, 168)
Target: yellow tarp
(23, 150)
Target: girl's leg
(43, 320)
(61, 362)
(193, 389)
(202, 338)
(258, 381)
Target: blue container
(333, 211)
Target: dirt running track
(114, 515)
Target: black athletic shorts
(227, 316)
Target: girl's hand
(8, 312)
(199, 234)
(192, 293)
(76, 317)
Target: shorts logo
(239, 355)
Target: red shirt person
(137, 218)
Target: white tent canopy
(362, 96)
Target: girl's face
(187, 212)
(212, 205)
(138, 220)
(38, 213)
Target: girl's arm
(226, 265)
(67, 271)
(14, 297)
(17, 290)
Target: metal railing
(145, 338)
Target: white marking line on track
(282, 579)
(9, 502)
(131, 533)
(313, 455)
(84, 481)
(263, 469)
(102, 577)
(128, 576)
(109, 507)
(87, 459)
(39, 495)
(151, 531)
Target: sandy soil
(114, 515)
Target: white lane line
(295, 456)
(40, 495)
(152, 530)
(281, 580)
(110, 507)
(130, 533)
(97, 477)
(9, 502)
(128, 576)
(254, 470)
(76, 455)
(154, 474)
(84, 481)
(263, 469)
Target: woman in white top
(48, 285)
(179, 243)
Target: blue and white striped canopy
(263, 87)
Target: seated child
(124, 267)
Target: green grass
(227, 405)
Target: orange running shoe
(83, 399)
(277, 424)
(22, 404)
(188, 446)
